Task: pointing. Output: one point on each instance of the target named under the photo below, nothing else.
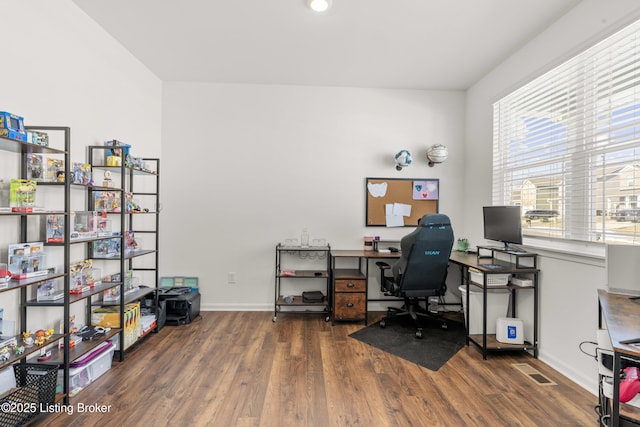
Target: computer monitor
(623, 269)
(503, 224)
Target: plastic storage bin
(89, 368)
(492, 279)
(497, 306)
(78, 379)
(101, 364)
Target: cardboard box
(109, 317)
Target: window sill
(568, 250)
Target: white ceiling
(412, 44)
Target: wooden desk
(514, 266)
(621, 314)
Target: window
(568, 143)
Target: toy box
(12, 126)
(55, 170)
(38, 138)
(130, 285)
(109, 248)
(84, 224)
(106, 201)
(130, 243)
(120, 149)
(22, 195)
(53, 229)
(81, 173)
(48, 291)
(26, 260)
(80, 276)
(111, 295)
(35, 167)
(115, 156)
(104, 226)
(109, 317)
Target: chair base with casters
(411, 305)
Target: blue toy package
(12, 126)
(120, 149)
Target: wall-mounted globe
(437, 153)
(403, 159)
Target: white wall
(60, 69)
(247, 166)
(568, 302)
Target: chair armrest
(382, 265)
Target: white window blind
(567, 146)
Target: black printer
(182, 305)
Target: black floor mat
(433, 350)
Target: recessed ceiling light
(319, 5)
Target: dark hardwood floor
(241, 369)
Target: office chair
(421, 271)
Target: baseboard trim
(586, 382)
(236, 307)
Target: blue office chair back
(428, 259)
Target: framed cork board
(400, 202)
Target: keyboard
(493, 266)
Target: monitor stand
(508, 249)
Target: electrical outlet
(231, 277)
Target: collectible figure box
(53, 229)
(48, 291)
(83, 276)
(35, 167)
(84, 224)
(120, 149)
(22, 195)
(55, 170)
(12, 126)
(116, 155)
(106, 201)
(81, 173)
(26, 260)
(108, 248)
(38, 138)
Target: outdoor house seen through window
(567, 146)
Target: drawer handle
(350, 285)
(350, 304)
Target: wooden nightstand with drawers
(349, 295)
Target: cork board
(419, 195)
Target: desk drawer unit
(350, 285)
(350, 299)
